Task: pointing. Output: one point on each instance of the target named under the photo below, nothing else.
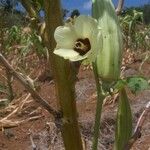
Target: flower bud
(110, 55)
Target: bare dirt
(42, 132)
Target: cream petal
(85, 25)
(66, 53)
(79, 57)
(70, 54)
(65, 36)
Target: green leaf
(124, 121)
(137, 84)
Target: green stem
(64, 79)
(100, 98)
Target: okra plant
(99, 39)
(108, 63)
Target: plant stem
(64, 79)
(119, 7)
(100, 98)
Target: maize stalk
(109, 57)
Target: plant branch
(119, 7)
(40, 28)
(33, 14)
(29, 8)
(29, 87)
(138, 128)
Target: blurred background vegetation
(15, 27)
(19, 39)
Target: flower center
(82, 46)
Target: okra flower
(79, 40)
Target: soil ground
(42, 131)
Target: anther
(82, 46)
